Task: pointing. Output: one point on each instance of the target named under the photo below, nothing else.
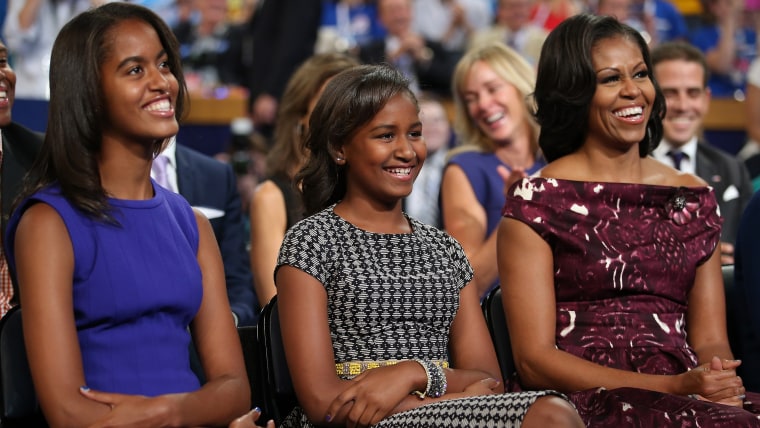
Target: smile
(162, 105)
(400, 171)
(630, 112)
(494, 117)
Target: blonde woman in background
(493, 119)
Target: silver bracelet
(436, 380)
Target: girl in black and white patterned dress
(379, 325)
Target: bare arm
(706, 315)
(46, 296)
(526, 267)
(721, 58)
(268, 223)
(464, 218)
(28, 14)
(470, 344)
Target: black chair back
(496, 320)
(250, 344)
(279, 395)
(18, 400)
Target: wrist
(436, 383)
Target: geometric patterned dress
(394, 297)
(625, 259)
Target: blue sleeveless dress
(136, 287)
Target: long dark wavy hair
(350, 100)
(566, 83)
(77, 104)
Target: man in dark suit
(427, 64)
(19, 149)
(210, 187)
(682, 73)
(281, 35)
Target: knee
(552, 411)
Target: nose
(404, 149)
(630, 89)
(676, 101)
(160, 80)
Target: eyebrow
(391, 126)
(615, 68)
(138, 58)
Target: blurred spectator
(549, 13)
(729, 42)
(30, 29)
(514, 28)
(171, 11)
(750, 153)
(422, 203)
(347, 24)
(211, 47)
(282, 35)
(427, 64)
(451, 22)
(681, 71)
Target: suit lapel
(186, 184)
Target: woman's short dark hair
(350, 100)
(77, 103)
(566, 83)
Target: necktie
(677, 158)
(159, 171)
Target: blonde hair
(511, 67)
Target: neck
(125, 171)
(605, 164)
(373, 216)
(515, 154)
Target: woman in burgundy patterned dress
(610, 278)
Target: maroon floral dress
(625, 258)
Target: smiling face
(384, 156)
(7, 87)
(624, 94)
(139, 88)
(494, 104)
(683, 84)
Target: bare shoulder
(658, 173)
(560, 168)
(40, 218)
(267, 191)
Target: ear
(339, 156)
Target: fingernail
(328, 418)
(84, 388)
(257, 409)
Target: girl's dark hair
(566, 83)
(350, 100)
(77, 103)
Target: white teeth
(400, 171)
(630, 111)
(494, 117)
(3, 94)
(163, 105)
